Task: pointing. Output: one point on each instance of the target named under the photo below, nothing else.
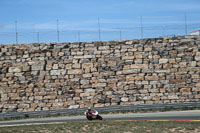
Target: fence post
(79, 39)
(58, 36)
(99, 30)
(164, 31)
(141, 23)
(38, 37)
(185, 24)
(16, 32)
(120, 33)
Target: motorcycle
(93, 115)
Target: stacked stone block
(50, 76)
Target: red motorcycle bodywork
(90, 114)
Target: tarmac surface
(193, 115)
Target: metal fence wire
(17, 34)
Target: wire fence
(100, 33)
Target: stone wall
(50, 76)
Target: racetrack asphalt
(193, 115)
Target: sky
(94, 20)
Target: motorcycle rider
(90, 113)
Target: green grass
(108, 127)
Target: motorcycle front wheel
(99, 117)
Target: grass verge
(108, 127)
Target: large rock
(104, 47)
(115, 100)
(163, 61)
(55, 72)
(124, 99)
(73, 107)
(75, 71)
(139, 66)
(14, 70)
(36, 66)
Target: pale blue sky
(79, 19)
